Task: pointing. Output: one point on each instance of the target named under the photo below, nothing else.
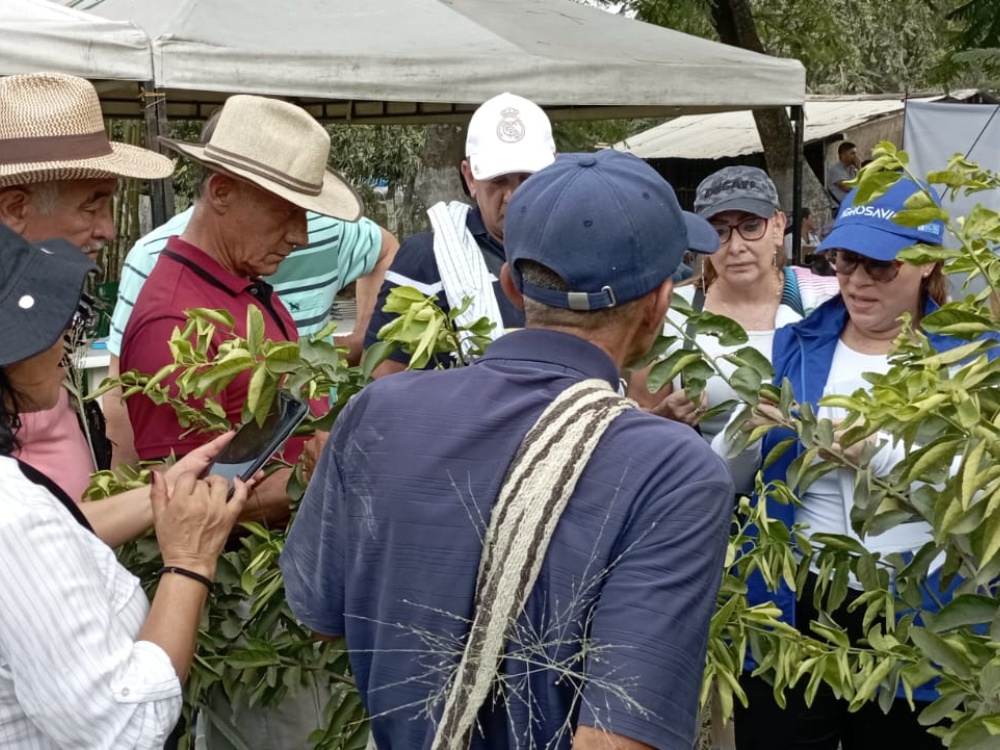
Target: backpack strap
(791, 296)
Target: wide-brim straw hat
(280, 148)
(51, 128)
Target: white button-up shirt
(72, 674)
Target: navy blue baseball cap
(606, 223)
(40, 288)
(868, 228)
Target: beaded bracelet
(188, 574)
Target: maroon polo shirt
(185, 277)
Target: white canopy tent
(435, 60)
(731, 134)
(37, 35)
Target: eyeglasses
(751, 228)
(845, 262)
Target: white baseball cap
(509, 134)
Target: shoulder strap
(790, 294)
(534, 493)
(36, 477)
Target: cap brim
(124, 161)
(486, 167)
(760, 208)
(336, 198)
(871, 242)
(702, 237)
(56, 277)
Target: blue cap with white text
(606, 223)
(868, 228)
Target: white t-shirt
(717, 388)
(824, 506)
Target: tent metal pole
(799, 118)
(154, 109)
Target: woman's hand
(194, 520)
(675, 404)
(764, 413)
(197, 460)
(312, 452)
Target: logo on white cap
(510, 129)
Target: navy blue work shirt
(415, 265)
(386, 546)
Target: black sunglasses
(845, 262)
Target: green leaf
(746, 382)
(941, 652)
(940, 709)
(726, 330)
(667, 369)
(375, 355)
(964, 611)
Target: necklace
(763, 315)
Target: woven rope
(535, 491)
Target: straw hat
(280, 148)
(51, 128)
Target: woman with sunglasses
(85, 660)
(827, 353)
(746, 280)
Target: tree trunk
(439, 178)
(733, 20)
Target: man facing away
(58, 177)
(602, 555)
(509, 138)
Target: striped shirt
(71, 671)
(306, 281)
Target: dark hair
(202, 172)
(10, 420)
(806, 212)
(540, 314)
(845, 146)
(935, 286)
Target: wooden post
(799, 118)
(155, 115)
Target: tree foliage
(846, 46)
(945, 410)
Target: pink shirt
(53, 443)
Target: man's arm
(367, 293)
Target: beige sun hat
(51, 128)
(280, 148)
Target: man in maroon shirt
(265, 167)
